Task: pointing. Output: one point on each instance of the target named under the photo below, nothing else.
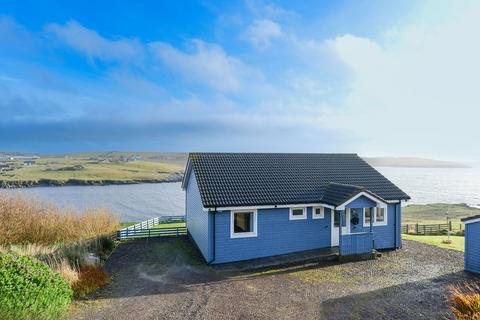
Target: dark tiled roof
(470, 218)
(336, 193)
(252, 179)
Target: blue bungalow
(242, 206)
(472, 243)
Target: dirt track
(165, 279)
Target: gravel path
(165, 279)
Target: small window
(336, 219)
(243, 224)
(318, 213)
(298, 213)
(367, 216)
(380, 215)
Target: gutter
(213, 247)
(395, 226)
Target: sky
(378, 78)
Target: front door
(336, 225)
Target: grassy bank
(95, 168)
(43, 250)
(435, 213)
(458, 243)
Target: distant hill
(411, 162)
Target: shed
(472, 243)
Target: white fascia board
(273, 206)
(186, 175)
(358, 195)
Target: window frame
(373, 215)
(293, 217)
(384, 222)
(235, 235)
(322, 212)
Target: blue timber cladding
(472, 247)
(361, 202)
(276, 235)
(199, 222)
(385, 237)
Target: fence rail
(152, 228)
(148, 233)
(148, 224)
(431, 229)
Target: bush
(31, 221)
(29, 289)
(104, 246)
(90, 278)
(465, 300)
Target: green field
(458, 243)
(96, 168)
(435, 213)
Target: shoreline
(22, 184)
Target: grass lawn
(458, 243)
(170, 225)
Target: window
(378, 214)
(298, 213)
(318, 213)
(367, 216)
(336, 219)
(243, 224)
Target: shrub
(465, 300)
(104, 246)
(90, 278)
(33, 221)
(444, 232)
(30, 289)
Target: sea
(138, 202)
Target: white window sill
(376, 224)
(243, 235)
(298, 218)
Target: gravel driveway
(166, 279)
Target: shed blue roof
(253, 179)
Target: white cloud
(261, 32)
(207, 64)
(416, 90)
(93, 45)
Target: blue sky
(375, 77)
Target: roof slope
(336, 193)
(252, 179)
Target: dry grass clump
(33, 221)
(465, 300)
(90, 278)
